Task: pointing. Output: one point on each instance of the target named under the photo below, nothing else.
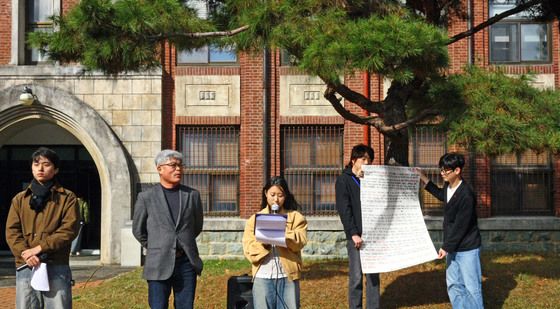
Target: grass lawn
(510, 281)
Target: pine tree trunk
(396, 148)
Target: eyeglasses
(174, 165)
(445, 171)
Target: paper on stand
(40, 278)
(271, 229)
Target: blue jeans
(183, 283)
(281, 293)
(355, 281)
(464, 279)
(59, 296)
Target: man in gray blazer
(167, 220)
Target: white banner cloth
(393, 228)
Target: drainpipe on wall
(367, 129)
(470, 24)
(266, 118)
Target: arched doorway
(77, 173)
(61, 110)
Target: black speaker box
(239, 292)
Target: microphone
(42, 257)
(275, 208)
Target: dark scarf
(40, 194)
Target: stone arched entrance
(68, 112)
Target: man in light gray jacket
(167, 220)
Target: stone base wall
(221, 238)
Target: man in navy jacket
(461, 236)
(350, 211)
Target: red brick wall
(168, 68)
(251, 135)
(5, 31)
(274, 111)
(377, 141)
(67, 5)
(353, 133)
(482, 186)
(458, 51)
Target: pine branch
(375, 120)
(355, 97)
(163, 36)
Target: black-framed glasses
(174, 165)
(445, 171)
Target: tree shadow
(321, 270)
(414, 289)
(500, 277)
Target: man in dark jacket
(41, 224)
(167, 220)
(461, 236)
(350, 211)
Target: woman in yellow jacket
(276, 269)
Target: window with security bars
(211, 165)
(311, 160)
(426, 145)
(522, 184)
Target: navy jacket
(460, 227)
(348, 203)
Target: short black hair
(359, 151)
(46, 153)
(452, 161)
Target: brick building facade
(240, 119)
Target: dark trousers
(355, 281)
(183, 283)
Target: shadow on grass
(501, 275)
(317, 270)
(414, 289)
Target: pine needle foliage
(504, 114)
(119, 36)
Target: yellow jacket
(290, 257)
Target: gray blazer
(154, 228)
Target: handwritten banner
(393, 228)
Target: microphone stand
(274, 208)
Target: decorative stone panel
(303, 95)
(213, 95)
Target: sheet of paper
(393, 228)
(271, 229)
(40, 278)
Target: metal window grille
(311, 160)
(522, 184)
(211, 159)
(426, 145)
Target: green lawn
(510, 281)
